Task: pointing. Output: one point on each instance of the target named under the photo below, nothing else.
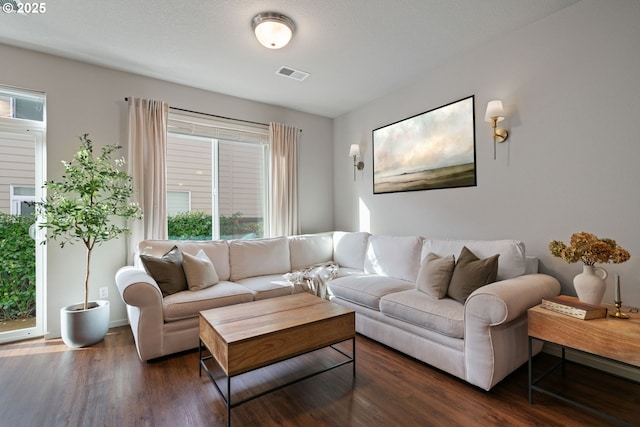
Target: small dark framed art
(434, 149)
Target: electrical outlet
(104, 292)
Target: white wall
(82, 98)
(571, 88)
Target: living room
(569, 83)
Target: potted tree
(89, 204)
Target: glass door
(21, 255)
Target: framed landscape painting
(434, 149)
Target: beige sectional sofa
(480, 339)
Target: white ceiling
(355, 50)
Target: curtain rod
(212, 115)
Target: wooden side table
(614, 339)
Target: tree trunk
(86, 280)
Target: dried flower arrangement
(589, 249)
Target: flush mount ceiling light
(273, 30)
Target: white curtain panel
(283, 141)
(147, 145)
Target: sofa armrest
(129, 276)
(503, 301)
(495, 326)
(143, 298)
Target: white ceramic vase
(590, 285)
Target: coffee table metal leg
(353, 355)
(200, 358)
(530, 371)
(228, 402)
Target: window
(178, 202)
(20, 200)
(21, 105)
(216, 178)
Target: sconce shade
(354, 151)
(273, 30)
(494, 109)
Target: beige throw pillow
(434, 275)
(166, 271)
(471, 273)
(199, 271)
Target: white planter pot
(81, 328)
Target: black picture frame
(431, 150)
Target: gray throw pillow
(434, 275)
(471, 273)
(199, 271)
(166, 271)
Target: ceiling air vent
(292, 74)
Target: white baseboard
(116, 323)
(606, 365)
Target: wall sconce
(495, 114)
(354, 152)
(273, 30)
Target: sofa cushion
(512, 264)
(343, 271)
(435, 274)
(367, 289)
(199, 271)
(259, 257)
(471, 273)
(269, 286)
(310, 249)
(216, 250)
(445, 316)
(188, 304)
(166, 271)
(394, 256)
(349, 248)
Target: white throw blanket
(314, 278)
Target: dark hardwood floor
(44, 383)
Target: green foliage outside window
(17, 268)
(197, 226)
(189, 226)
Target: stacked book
(573, 307)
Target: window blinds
(190, 123)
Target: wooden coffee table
(244, 337)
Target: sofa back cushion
(511, 263)
(216, 250)
(259, 257)
(394, 256)
(349, 248)
(310, 249)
